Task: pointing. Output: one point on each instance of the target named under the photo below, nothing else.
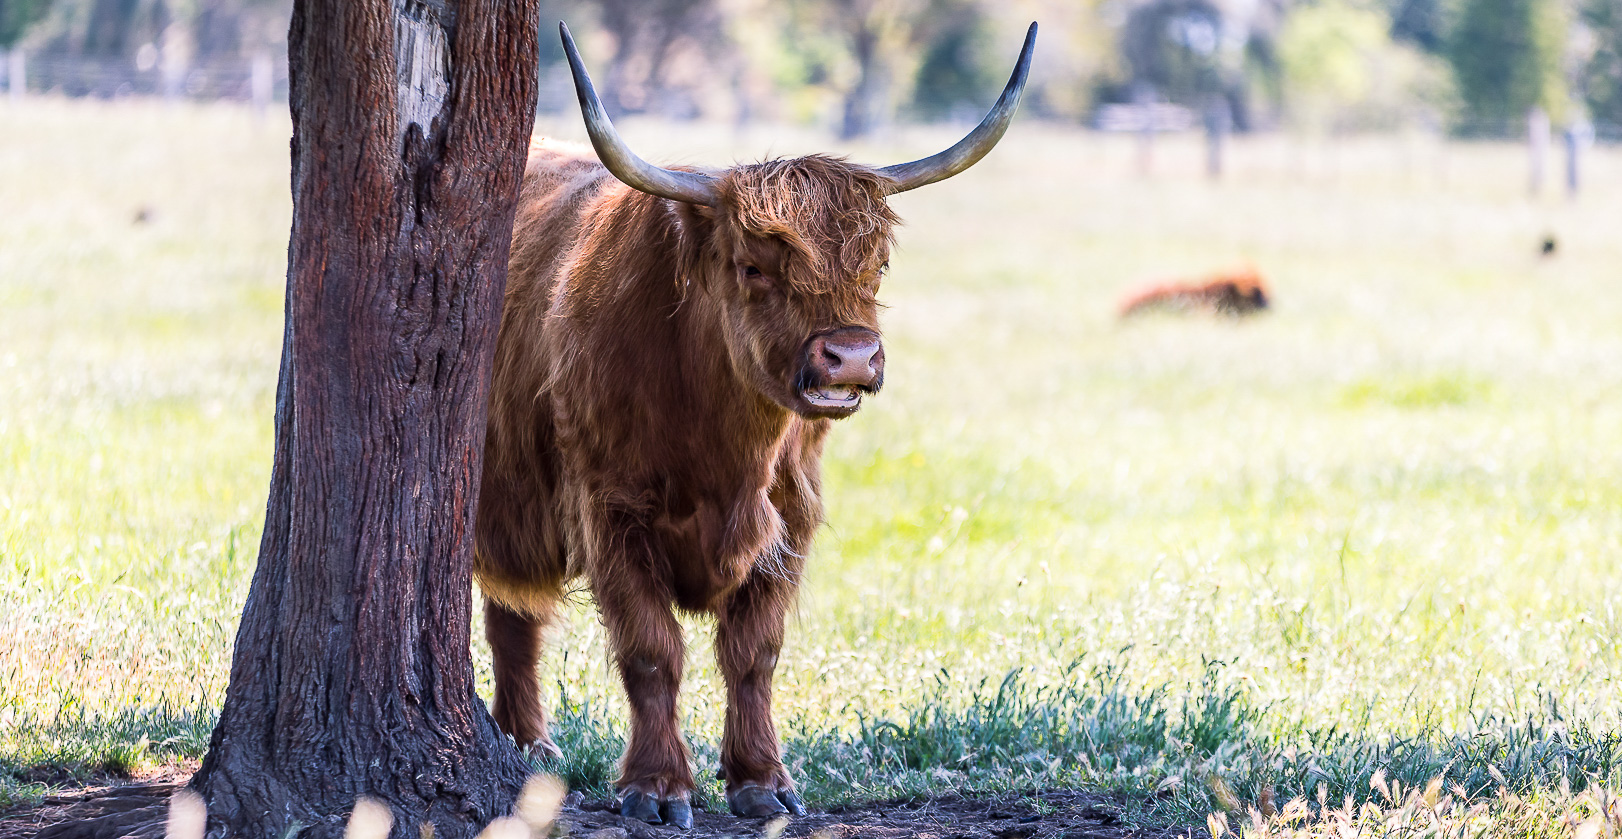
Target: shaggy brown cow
(674, 347)
(1234, 293)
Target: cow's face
(795, 248)
(799, 250)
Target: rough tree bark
(352, 673)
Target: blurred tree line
(1478, 66)
(132, 30)
(856, 65)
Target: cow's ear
(697, 241)
(700, 218)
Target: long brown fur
(639, 438)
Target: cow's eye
(755, 279)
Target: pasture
(1372, 535)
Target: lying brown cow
(674, 347)
(1239, 292)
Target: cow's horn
(970, 149)
(692, 187)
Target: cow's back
(560, 182)
(520, 537)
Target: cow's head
(794, 250)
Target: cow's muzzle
(840, 366)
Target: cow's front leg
(656, 779)
(749, 635)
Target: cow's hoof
(678, 813)
(753, 801)
(638, 805)
(543, 747)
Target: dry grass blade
(1377, 782)
(1222, 793)
(506, 827)
(774, 828)
(1433, 791)
(539, 802)
(188, 816)
(371, 819)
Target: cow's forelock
(831, 213)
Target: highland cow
(674, 349)
(1233, 293)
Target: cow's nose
(853, 357)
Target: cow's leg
(515, 649)
(749, 635)
(656, 779)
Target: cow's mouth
(837, 397)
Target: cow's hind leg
(515, 647)
(749, 635)
(656, 778)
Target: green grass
(1373, 530)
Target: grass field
(1373, 534)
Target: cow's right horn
(691, 187)
(968, 151)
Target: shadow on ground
(135, 810)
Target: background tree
(877, 34)
(1506, 58)
(646, 34)
(116, 26)
(1344, 71)
(1175, 47)
(351, 672)
(1211, 56)
(884, 41)
(953, 67)
(1601, 74)
(16, 16)
(1422, 23)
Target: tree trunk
(867, 102)
(107, 35)
(352, 673)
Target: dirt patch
(136, 810)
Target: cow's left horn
(692, 187)
(970, 149)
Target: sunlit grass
(1378, 521)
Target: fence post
(16, 74)
(172, 60)
(1571, 161)
(1537, 136)
(1144, 97)
(261, 84)
(1578, 135)
(1218, 121)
